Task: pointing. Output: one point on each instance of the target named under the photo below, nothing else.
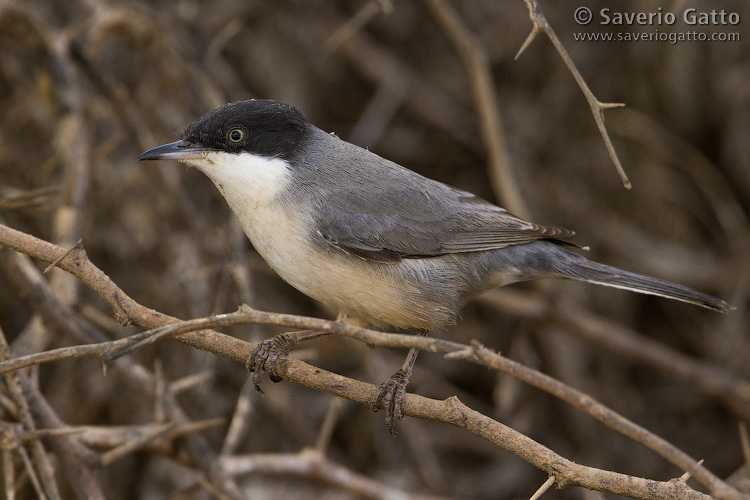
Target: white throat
(251, 185)
(246, 181)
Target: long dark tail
(572, 266)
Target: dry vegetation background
(87, 85)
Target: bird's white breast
(251, 185)
(281, 230)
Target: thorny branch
(196, 333)
(597, 107)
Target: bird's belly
(364, 292)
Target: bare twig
(610, 418)
(450, 411)
(61, 317)
(708, 378)
(79, 245)
(328, 425)
(311, 463)
(116, 436)
(32, 473)
(135, 444)
(477, 354)
(190, 381)
(13, 199)
(39, 466)
(9, 475)
(686, 475)
(240, 419)
(597, 107)
(73, 148)
(76, 458)
(485, 102)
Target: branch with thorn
(198, 334)
(597, 107)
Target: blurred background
(87, 85)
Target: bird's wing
(420, 218)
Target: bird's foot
(390, 397)
(267, 354)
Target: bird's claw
(266, 356)
(390, 396)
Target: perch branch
(450, 411)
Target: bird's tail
(580, 269)
(548, 259)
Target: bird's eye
(236, 135)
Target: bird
(379, 243)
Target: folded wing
(421, 218)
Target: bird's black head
(262, 127)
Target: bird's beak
(178, 150)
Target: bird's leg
(392, 391)
(267, 353)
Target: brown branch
(454, 412)
(12, 199)
(132, 445)
(450, 411)
(476, 353)
(77, 459)
(487, 107)
(597, 107)
(610, 418)
(43, 481)
(329, 423)
(9, 475)
(310, 463)
(59, 317)
(241, 419)
(72, 146)
(126, 310)
(708, 378)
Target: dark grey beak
(178, 150)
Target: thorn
(60, 258)
(686, 475)
(460, 354)
(534, 31)
(543, 488)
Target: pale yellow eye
(236, 135)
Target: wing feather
(421, 218)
